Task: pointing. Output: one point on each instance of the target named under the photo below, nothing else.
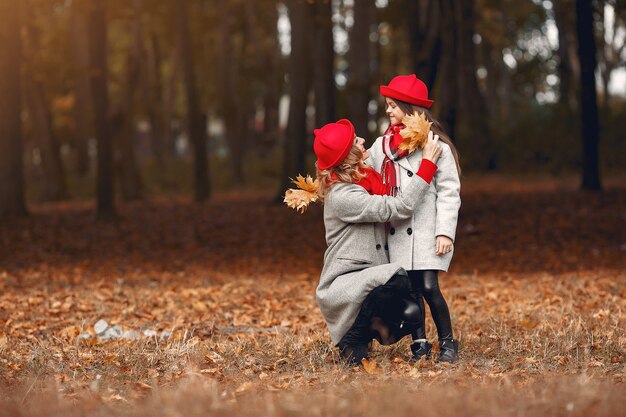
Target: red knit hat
(332, 143)
(407, 88)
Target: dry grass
(249, 340)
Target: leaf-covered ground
(221, 297)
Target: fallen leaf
(370, 366)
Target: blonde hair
(349, 171)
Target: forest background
(145, 145)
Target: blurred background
(112, 99)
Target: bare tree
(197, 131)
(11, 166)
(39, 110)
(565, 18)
(472, 102)
(423, 21)
(323, 51)
(232, 110)
(151, 90)
(125, 159)
(448, 81)
(274, 75)
(98, 58)
(82, 94)
(300, 14)
(612, 50)
(589, 107)
(359, 66)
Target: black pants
(382, 317)
(425, 286)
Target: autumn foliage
(222, 299)
(415, 133)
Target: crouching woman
(360, 294)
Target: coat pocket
(355, 261)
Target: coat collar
(410, 163)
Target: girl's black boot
(449, 351)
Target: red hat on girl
(407, 88)
(333, 142)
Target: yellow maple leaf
(306, 184)
(415, 133)
(306, 193)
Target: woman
(360, 294)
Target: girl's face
(359, 143)
(394, 112)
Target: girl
(423, 243)
(360, 294)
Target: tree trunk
(82, 96)
(151, 91)
(275, 77)
(300, 14)
(423, 21)
(48, 143)
(197, 131)
(359, 66)
(11, 152)
(169, 97)
(589, 108)
(41, 117)
(471, 99)
(232, 111)
(124, 139)
(98, 57)
(564, 16)
(448, 83)
(324, 53)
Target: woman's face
(394, 112)
(359, 143)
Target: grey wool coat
(356, 261)
(412, 240)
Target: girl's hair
(409, 108)
(349, 171)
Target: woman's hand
(432, 148)
(443, 245)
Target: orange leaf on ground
(370, 366)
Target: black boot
(449, 351)
(420, 349)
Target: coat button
(409, 173)
(378, 246)
(409, 231)
(392, 231)
(386, 247)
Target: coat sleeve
(376, 154)
(448, 188)
(353, 204)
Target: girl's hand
(432, 148)
(443, 245)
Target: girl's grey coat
(356, 261)
(412, 240)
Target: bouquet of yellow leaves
(415, 133)
(306, 193)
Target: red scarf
(372, 181)
(391, 140)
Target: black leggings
(425, 285)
